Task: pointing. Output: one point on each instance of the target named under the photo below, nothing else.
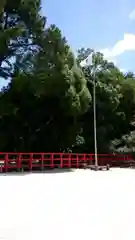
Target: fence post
(42, 161)
(91, 158)
(77, 161)
(52, 161)
(6, 162)
(31, 161)
(18, 162)
(69, 160)
(1, 167)
(61, 161)
(84, 160)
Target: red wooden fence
(39, 161)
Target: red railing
(40, 161)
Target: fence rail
(39, 161)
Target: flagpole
(94, 115)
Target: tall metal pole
(94, 114)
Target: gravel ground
(80, 204)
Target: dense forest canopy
(48, 104)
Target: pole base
(99, 168)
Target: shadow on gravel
(47, 171)
(123, 167)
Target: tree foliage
(48, 104)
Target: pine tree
(21, 29)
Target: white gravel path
(78, 205)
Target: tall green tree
(48, 104)
(114, 105)
(45, 102)
(21, 29)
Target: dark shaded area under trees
(47, 106)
